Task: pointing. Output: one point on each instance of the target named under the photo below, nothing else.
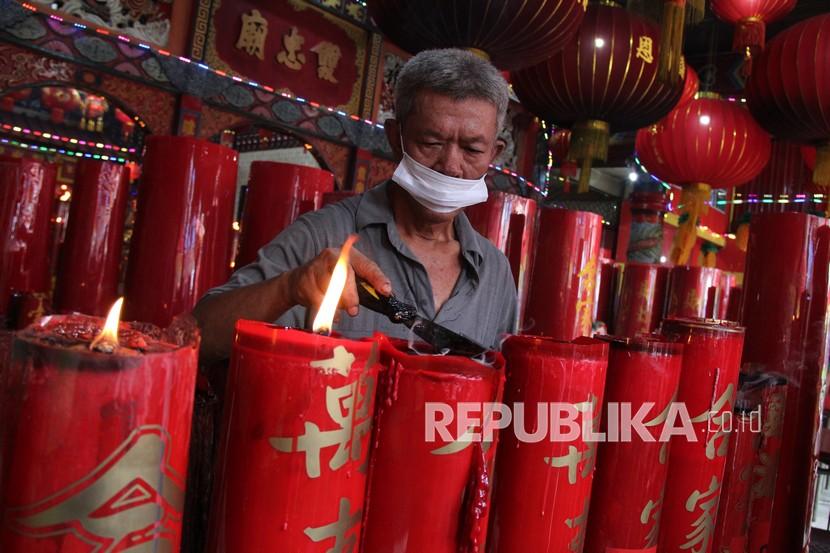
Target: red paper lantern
(603, 80)
(512, 33)
(789, 91)
(750, 18)
(706, 143)
(691, 86)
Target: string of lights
(59, 151)
(254, 84)
(66, 139)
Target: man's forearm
(217, 315)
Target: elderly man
(414, 239)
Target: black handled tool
(439, 337)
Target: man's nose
(450, 162)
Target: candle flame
(325, 316)
(107, 339)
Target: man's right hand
(308, 283)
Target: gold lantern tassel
(821, 172)
(742, 232)
(694, 205)
(589, 142)
(710, 254)
(696, 11)
(671, 42)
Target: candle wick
(102, 344)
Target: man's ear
(499, 148)
(393, 134)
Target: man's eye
(474, 150)
(432, 144)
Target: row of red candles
(293, 456)
(323, 443)
(564, 246)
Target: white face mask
(436, 191)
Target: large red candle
(277, 194)
(561, 300)
(708, 389)
(181, 245)
(96, 448)
(509, 222)
(731, 531)
(642, 299)
(338, 196)
(606, 291)
(26, 195)
(294, 445)
(772, 398)
(785, 312)
(429, 495)
(91, 252)
(543, 488)
(631, 474)
(693, 292)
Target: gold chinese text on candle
(325, 316)
(107, 339)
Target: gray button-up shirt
(482, 305)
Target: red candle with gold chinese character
(731, 531)
(91, 253)
(277, 194)
(772, 398)
(424, 495)
(26, 195)
(561, 300)
(785, 310)
(509, 222)
(95, 451)
(708, 389)
(642, 299)
(606, 291)
(544, 473)
(294, 450)
(693, 292)
(627, 499)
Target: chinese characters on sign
(254, 33)
(252, 36)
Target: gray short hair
(456, 73)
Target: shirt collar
(374, 209)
